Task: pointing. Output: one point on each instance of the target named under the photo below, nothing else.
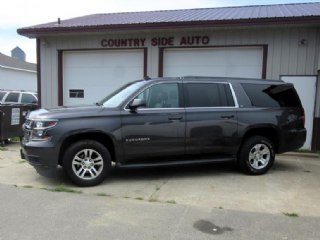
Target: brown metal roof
(9, 62)
(270, 14)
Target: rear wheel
(256, 155)
(87, 162)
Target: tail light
(303, 117)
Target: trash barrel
(12, 117)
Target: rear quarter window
(266, 95)
(28, 98)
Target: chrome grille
(27, 124)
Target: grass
(291, 214)
(3, 149)
(62, 188)
(15, 139)
(22, 161)
(153, 200)
(27, 186)
(304, 151)
(103, 194)
(307, 151)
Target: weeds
(62, 188)
(291, 214)
(103, 195)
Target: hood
(70, 112)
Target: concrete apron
(291, 186)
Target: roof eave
(36, 32)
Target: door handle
(227, 116)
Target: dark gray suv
(168, 121)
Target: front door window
(164, 95)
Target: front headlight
(39, 129)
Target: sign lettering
(156, 41)
(128, 42)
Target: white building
(16, 74)
(96, 54)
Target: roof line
(173, 10)
(18, 69)
(33, 32)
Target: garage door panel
(99, 73)
(219, 71)
(222, 62)
(100, 58)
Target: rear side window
(12, 97)
(208, 95)
(28, 98)
(265, 95)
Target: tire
(87, 163)
(256, 155)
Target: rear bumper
(292, 140)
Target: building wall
(12, 79)
(286, 56)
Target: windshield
(117, 97)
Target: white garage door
(306, 88)
(221, 62)
(88, 76)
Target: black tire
(256, 155)
(87, 163)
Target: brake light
(303, 116)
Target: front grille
(27, 124)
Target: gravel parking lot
(292, 186)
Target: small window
(12, 97)
(28, 98)
(208, 95)
(265, 95)
(164, 95)
(76, 93)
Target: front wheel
(87, 162)
(256, 155)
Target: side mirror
(136, 103)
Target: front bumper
(43, 156)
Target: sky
(16, 14)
